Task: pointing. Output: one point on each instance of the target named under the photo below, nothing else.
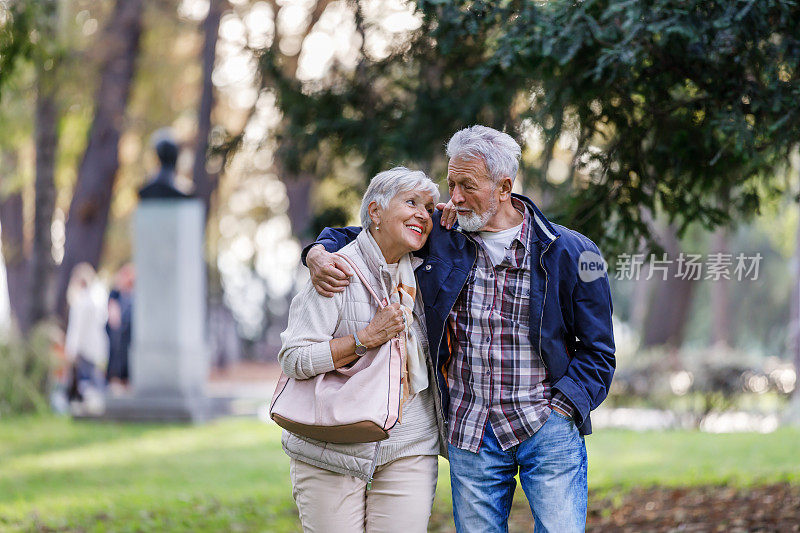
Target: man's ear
(374, 211)
(505, 187)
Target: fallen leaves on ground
(770, 508)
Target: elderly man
(518, 314)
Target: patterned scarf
(415, 371)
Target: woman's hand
(386, 323)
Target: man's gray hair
(389, 183)
(498, 151)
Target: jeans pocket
(559, 415)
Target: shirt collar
(524, 235)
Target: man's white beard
(475, 222)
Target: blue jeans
(552, 470)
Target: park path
(254, 382)
(247, 385)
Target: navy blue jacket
(570, 312)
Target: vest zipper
(374, 465)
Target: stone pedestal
(169, 359)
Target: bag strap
(363, 279)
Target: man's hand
(449, 214)
(329, 273)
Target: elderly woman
(388, 485)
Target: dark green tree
(402, 108)
(677, 109)
(18, 35)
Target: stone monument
(169, 358)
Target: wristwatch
(360, 348)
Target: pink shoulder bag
(358, 403)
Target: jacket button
(427, 268)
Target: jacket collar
(543, 228)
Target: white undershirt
(393, 269)
(497, 242)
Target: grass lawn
(231, 475)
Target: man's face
(472, 191)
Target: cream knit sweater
(314, 320)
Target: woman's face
(404, 225)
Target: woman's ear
(375, 212)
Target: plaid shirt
(495, 373)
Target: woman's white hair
(389, 183)
(498, 151)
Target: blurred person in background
(120, 317)
(85, 345)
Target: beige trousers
(400, 499)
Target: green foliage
(328, 218)
(18, 35)
(691, 104)
(25, 366)
(402, 108)
(671, 108)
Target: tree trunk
(669, 308)
(45, 192)
(299, 189)
(794, 326)
(792, 413)
(203, 182)
(12, 223)
(88, 212)
(720, 296)
(642, 292)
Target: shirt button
(488, 339)
(427, 268)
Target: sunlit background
(254, 235)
